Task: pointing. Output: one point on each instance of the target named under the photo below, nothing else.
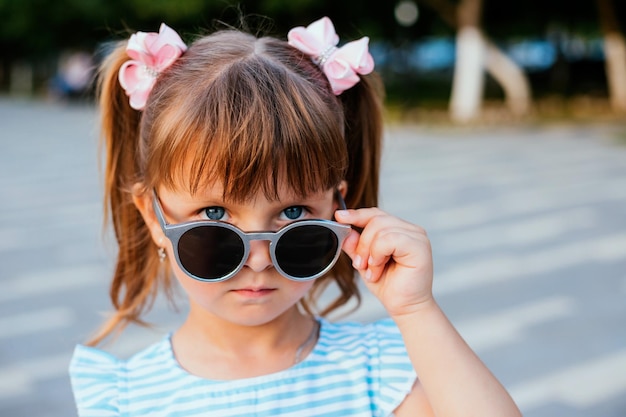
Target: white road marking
(51, 280)
(13, 383)
(507, 326)
(523, 202)
(505, 268)
(19, 378)
(582, 385)
(36, 321)
(522, 232)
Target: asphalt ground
(527, 223)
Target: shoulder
(373, 351)
(100, 380)
(381, 334)
(94, 375)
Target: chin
(253, 317)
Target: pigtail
(362, 106)
(133, 287)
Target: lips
(254, 292)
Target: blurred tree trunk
(468, 81)
(503, 69)
(511, 78)
(614, 55)
(4, 74)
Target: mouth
(253, 292)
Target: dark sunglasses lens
(307, 250)
(210, 252)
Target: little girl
(228, 164)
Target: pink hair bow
(341, 65)
(151, 53)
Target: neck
(225, 334)
(212, 347)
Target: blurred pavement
(528, 227)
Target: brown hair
(244, 111)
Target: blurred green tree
(37, 31)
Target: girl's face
(258, 293)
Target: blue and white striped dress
(354, 370)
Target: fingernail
(357, 262)
(342, 213)
(370, 261)
(368, 275)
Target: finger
(357, 244)
(381, 245)
(375, 223)
(350, 245)
(382, 250)
(399, 249)
(358, 217)
(360, 263)
(373, 273)
(362, 217)
(378, 226)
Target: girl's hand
(395, 259)
(393, 256)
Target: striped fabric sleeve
(95, 377)
(395, 374)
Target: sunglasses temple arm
(158, 210)
(342, 203)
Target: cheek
(190, 285)
(297, 289)
(193, 287)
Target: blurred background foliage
(558, 44)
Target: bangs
(255, 126)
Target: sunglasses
(214, 251)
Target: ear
(143, 201)
(343, 188)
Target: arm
(449, 369)
(395, 259)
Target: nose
(259, 258)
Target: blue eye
(215, 213)
(293, 213)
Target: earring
(162, 254)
